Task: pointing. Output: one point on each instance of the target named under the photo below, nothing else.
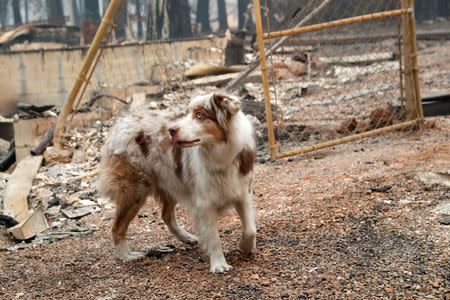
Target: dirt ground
(323, 231)
(350, 222)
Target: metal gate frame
(411, 73)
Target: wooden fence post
(412, 85)
(265, 79)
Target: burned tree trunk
(89, 20)
(74, 13)
(16, 12)
(3, 10)
(157, 20)
(234, 51)
(242, 13)
(444, 8)
(91, 12)
(203, 15)
(25, 8)
(55, 12)
(168, 19)
(138, 16)
(178, 12)
(122, 32)
(223, 22)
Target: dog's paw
(124, 253)
(131, 256)
(247, 244)
(220, 267)
(137, 255)
(190, 239)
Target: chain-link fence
(348, 73)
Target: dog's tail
(118, 179)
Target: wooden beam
(26, 134)
(15, 202)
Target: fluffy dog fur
(202, 159)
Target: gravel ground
(323, 231)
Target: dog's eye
(199, 115)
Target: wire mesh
(133, 66)
(337, 82)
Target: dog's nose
(173, 131)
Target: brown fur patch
(126, 186)
(165, 145)
(215, 130)
(219, 100)
(121, 172)
(209, 122)
(189, 178)
(226, 103)
(166, 142)
(168, 205)
(246, 160)
(176, 116)
(143, 142)
(164, 131)
(177, 158)
(223, 113)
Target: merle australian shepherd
(202, 159)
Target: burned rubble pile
(66, 190)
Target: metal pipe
(265, 77)
(348, 139)
(400, 59)
(410, 101)
(363, 18)
(414, 64)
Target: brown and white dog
(202, 160)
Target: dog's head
(208, 120)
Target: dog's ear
(226, 103)
(226, 107)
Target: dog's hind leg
(246, 212)
(125, 186)
(169, 217)
(126, 210)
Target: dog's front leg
(246, 212)
(206, 224)
(170, 218)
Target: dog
(202, 159)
